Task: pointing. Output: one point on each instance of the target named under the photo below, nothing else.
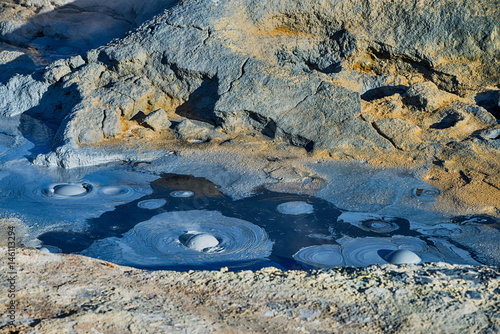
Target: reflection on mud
(303, 231)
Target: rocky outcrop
(338, 76)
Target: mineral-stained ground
(249, 93)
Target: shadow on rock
(41, 123)
(76, 27)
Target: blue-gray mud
(288, 232)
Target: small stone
(157, 120)
(425, 96)
(473, 295)
(194, 131)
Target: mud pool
(124, 215)
(133, 213)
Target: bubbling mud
(115, 190)
(162, 231)
(295, 208)
(321, 256)
(195, 238)
(362, 252)
(421, 192)
(402, 256)
(202, 242)
(182, 193)
(151, 204)
(370, 222)
(378, 226)
(67, 190)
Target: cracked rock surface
(308, 74)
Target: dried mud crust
(468, 180)
(69, 293)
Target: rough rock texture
(303, 73)
(407, 83)
(157, 120)
(55, 295)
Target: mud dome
(190, 238)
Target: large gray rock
(425, 96)
(196, 132)
(19, 94)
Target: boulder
(196, 131)
(425, 96)
(157, 120)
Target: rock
(492, 134)
(482, 115)
(196, 131)
(139, 90)
(316, 301)
(15, 62)
(19, 94)
(304, 111)
(56, 71)
(402, 135)
(111, 126)
(157, 120)
(426, 96)
(64, 28)
(293, 73)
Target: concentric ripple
(115, 190)
(321, 256)
(151, 204)
(164, 241)
(182, 193)
(295, 208)
(362, 252)
(378, 226)
(370, 222)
